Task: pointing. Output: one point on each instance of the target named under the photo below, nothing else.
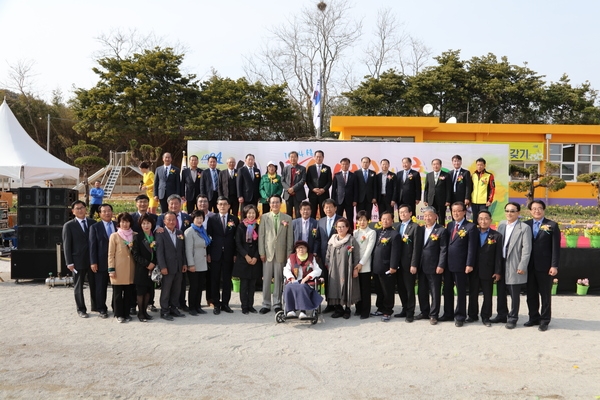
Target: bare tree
(309, 46)
(418, 56)
(121, 44)
(388, 41)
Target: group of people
(211, 245)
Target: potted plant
(582, 286)
(572, 235)
(236, 284)
(554, 286)
(592, 231)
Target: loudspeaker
(32, 197)
(39, 237)
(58, 216)
(34, 264)
(32, 216)
(62, 197)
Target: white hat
(271, 163)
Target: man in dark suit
(344, 191)
(489, 265)
(170, 254)
(221, 227)
(367, 187)
(411, 245)
(462, 183)
(386, 188)
(190, 182)
(408, 188)
(209, 183)
(326, 225)
(248, 182)
(166, 182)
(76, 247)
(228, 185)
(386, 262)
(437, 190)
(462, 257)
(433, 264)
(182, 222)
(319, 180)
(543, 265)
(293, 178)
(306, 229)
(99, 234)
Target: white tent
(22, 159)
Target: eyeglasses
(537, 209)
(510, 211)
(79, 208)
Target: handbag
(156, 275)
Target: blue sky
(553, 37)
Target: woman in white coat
(365, 237)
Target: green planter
(554, 288)
(582, 290)
(572, 241)
(595, 242)
(236, 285)
(495, 290)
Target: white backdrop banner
(496, 155)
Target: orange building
(576, 148)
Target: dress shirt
(167, 169)
(82, 223)
(108, 226)
(305, 230)
(483, 236)
(403, 227)
(507, 233)
(427, 233)
(329, 224)
(173, 235)
(536, 227)
(383, 182)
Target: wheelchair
(282, 317)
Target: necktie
(251, 173)
(329, 224)
(345, 177)
(402, 227)
(436, 177)
(293, 176)
(166, 171)
(305, 231)
(318, 171)
(454, 179)
(109, 229)
(224, 222)
(214, 178)
(536, 228)
(455, 230)
(405, 176)
(177, 225)
(84, 225)
(276, 222)
(231, 173)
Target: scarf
(126, 235)
(150, 239)
(271, 177)
(250, 230)
(336, 242)
(302, 258)
(200, 231)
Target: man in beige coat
(275, 244)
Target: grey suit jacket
(299, 181)
(169, 256)
(275, 246)
(517, 253)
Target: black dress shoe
(445, 318)
(103, 315)
(185, 308)
(132, 311)
(148, 317)
(486, 322)
(511, 325)
(433, 321)
(128, 318)
(347, 314)
(152, 308)
(178, 315)
(364, 317)
(409, 319)
(277, 309)
(498, 320)
(245, 311)
(337, 314)
(227, 309)
(531, 323)
(469, 319)
(419, 317)
(193, 312)
(175, 312)
(264, 310)
(167, 317)
(543, 327)
(142, 318)
(82, 314)
(329, 309)
(216, 310)
(401, 315)
(458, 324)
(199, 310)
(252, 310)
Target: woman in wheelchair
(300, 272)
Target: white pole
(48, 136)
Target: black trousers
(122, 300)
(169, 293)
(164, 206)
(539, 284)
(316, 203)
(487, 287)
(378, 292)
(349, 209)
(515, 295)
(78, 282)
(462, 281)
(184, 283)
(293, 204)
(265, 208)
(190, 205)
(388, 284)
(405, 281)
(448, 293)
(221, 272)
(473, 285)
(94, 208)
(195, 296)
(385, 204)
(101, 281)
(476, 208)
(430, 285)
(501, 302)
(247, 289)
(364, 305)
(208, 286)
(441, 212)
(212, 202)
(367, 206)
(234, 206)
